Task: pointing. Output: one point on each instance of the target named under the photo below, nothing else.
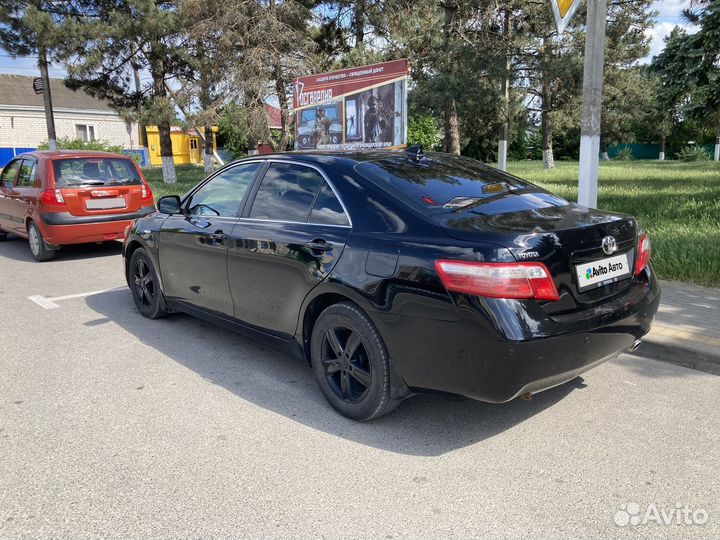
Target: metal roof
(17, 91)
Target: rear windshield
(95, 171)
(438, 184)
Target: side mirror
(169, 204)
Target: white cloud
(669, 9)
(669, 16)
(659, 32)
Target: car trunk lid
(89, 200)
(98, 184)
(537, 226)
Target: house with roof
(77, 116)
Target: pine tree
(689, 67)
(36, 28)
(114, 36)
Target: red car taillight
(52, 197)
(498, 280)
(643, 254)
(146, 194)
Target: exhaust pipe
(636, 344)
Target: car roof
(67, 154)
(325, 156)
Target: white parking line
(49, 303)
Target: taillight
(52, 197)
(498, 280)
(146, 193)
(643, 254)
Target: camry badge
(609, 245)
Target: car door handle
(319, 245)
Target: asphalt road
(115, 426)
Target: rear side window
(95, 171)
(26, 178)
(327, 209)
(287, 193)
(441, 184)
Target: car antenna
(415, 152)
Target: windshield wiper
(86, 183)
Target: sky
(669, 16)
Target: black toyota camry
(398, 272)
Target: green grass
(678, 204)
(187, 175)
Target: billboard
(363, 107)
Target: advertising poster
(364, 107)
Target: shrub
(66, 143)
(692, 153)
(625, 154)
(422, 130)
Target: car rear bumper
(63, 228)
(468, 356)
(66, 218)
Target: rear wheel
(3, 236)
(351, 363)
(38, 247)
(145, 285)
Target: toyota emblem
(609, 245)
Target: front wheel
(145, 285)
(38, 247)
(351, 363)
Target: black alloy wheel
(351, 363)
(145, 285)
(345, 360)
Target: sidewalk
(686, 330)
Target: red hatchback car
(70, 197)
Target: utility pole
(592, 102)
(138, 88)
(505, 127)
(47, 98)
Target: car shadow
(17, 248)
(423, 425)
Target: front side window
(95, 171)
(85, 132)
(26, 177)
(10, 172)
(287, 193)
(222, 195)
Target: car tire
(38, 247)
(145, 285)
(3, 236)
(355, 382)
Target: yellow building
(187, 146)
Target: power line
(31, 68)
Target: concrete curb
(693, 351)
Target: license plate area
(602, 272)
(105, 204)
